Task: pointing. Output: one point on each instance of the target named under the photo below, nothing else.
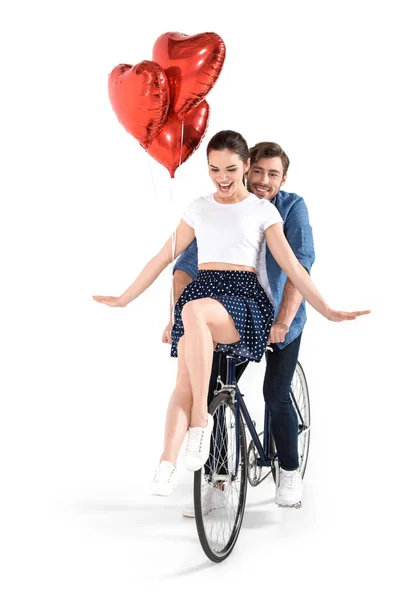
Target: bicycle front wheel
(219, 487)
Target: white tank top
(230, 233)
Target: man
(268, 171)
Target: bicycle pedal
(217, 478)
(297, 505)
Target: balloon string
(152, 176)
(171, 266)
(172, 303)
(182, 130)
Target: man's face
(265, 177)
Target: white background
(85, 387)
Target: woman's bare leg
(179, 409)
(206, 322)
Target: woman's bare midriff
(217, 266)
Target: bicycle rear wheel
(220, 492)
(301, 402)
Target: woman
(225, 308)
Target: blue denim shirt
(298, 232)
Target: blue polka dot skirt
(245, 300)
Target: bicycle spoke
(220, 522)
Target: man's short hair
(269, 150)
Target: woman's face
(226, 169)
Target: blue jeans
(279, 372)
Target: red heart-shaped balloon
(192, 64)
(168, 148)
(140, 98)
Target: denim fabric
(298, 232)
(279, 372)
(187, 261)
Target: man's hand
(278, 332)
(180, 280)
(166, 336)
(111, 300)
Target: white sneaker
(198, 445)
(212, 499)
(290, 489)
(164, 479)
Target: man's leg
(281, 365)
(219, 367)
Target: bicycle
(231, 464)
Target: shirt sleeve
(188, 261)
(270, 215)
(189, 214)
(298, 232)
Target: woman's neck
(238, 195)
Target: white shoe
(290, 489)
(198, 445)
(164, 479)
(212, 499)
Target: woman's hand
(340, 315)
(110, 300)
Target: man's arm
(298, 232)
(185, 271)
(180, 280)
(290, 304)
(188, 260)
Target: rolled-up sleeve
(188, 260)
(298, 232)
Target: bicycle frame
(265, 460)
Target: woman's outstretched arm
(286, 259)
(184, 236)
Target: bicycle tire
(304, 409)
(306, 414)
(221, 403)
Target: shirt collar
(273, 201)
